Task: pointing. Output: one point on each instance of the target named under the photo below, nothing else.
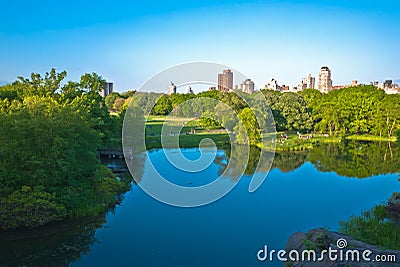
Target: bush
(373, 227)
(29, 208)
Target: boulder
(320, 239)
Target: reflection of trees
(239, 164)
(356, 159)
(56, 245)
(349, 159)
(289, 161)
(136, 164)
(134, 141)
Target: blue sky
(128, 41)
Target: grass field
(367, 137)
(154, 127)
(221, 138)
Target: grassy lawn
(155, 124)
(186, 138)
(368, 137)
(294, 143)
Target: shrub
(29, 208)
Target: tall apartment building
(189, 90)
(272, 85)
(107, 89)
(325, 81)
(247, 86)
(307, 82)
(388, 84)
(171, 89)
(225, 81)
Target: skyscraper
(273, 85)
(307, 82)
(247, 86)
(171, 89)
(107, 89)
(325, 81)
(189, 90)
(225, 81)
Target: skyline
(132, 41)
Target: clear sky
(128, 41)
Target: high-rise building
(388, 84)
(325, 81)
(108, 88)
(354, 83)
(171, 89)
(225, 81)
(307, 82)
(189, 90)
(272, 85)
(247, 86)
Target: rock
(320, 239)
(295, 242)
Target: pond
(303, 190)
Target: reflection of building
(247, 86)
(107, 89)
(225, 81)
(171, 89)
(325, 81)
(189, 90)
(307, 82)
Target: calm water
(302, 191)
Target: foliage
(357, 110)
(373, 227)
(247, 129)
(110, 99)
(208, 120)
(356, 158)
(29, 208)
(163, 106)
(49, 135)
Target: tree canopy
(49, 135)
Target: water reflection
(348, 159)
(357, 159)
(256, 159)
(66, 242)
(54, 245)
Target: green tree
(110, 99)
(247, 130)
(163, 106)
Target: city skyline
(135, 40)
(324, 83)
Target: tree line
(355, 110)
(50, 132)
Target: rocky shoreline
(320, 239)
